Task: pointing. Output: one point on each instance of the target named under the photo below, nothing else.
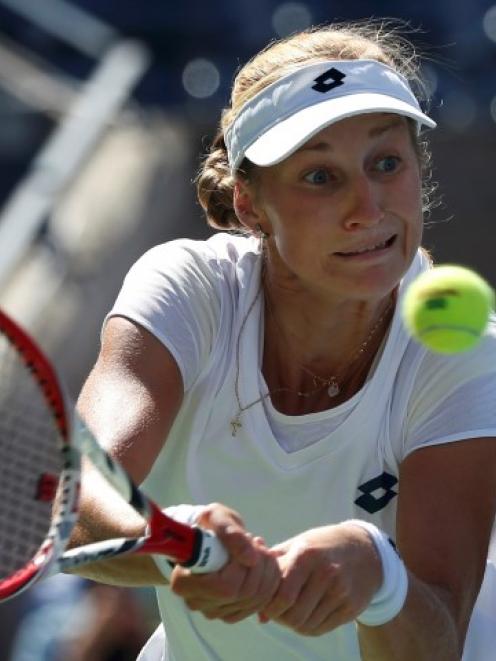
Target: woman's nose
(365, 204)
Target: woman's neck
(318, 351)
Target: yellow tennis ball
(447, 308)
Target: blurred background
(105, 109)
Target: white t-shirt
(326, 467)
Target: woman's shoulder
(438, 375)
(220, 251)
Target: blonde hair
(377, 40)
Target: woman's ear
(245, 206)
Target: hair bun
(215, 187)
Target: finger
(335, 608)
(279, 550)
(286, 596)
(259, 542)
(228, 614)
(325, 618)
(257, 589)
(316, 593)
(260, 584)
(217, 587)
(229, 527)
(240, 546)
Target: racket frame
(65, 516)
(189, 545)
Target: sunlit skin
(352, 186)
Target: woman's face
(345, 210)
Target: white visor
(283, 116)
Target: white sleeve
(171, 291)
(454, 397)
(469, 412)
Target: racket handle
(209, 553)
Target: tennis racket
(41, 444)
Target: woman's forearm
(135, 571)
(104, 515)
(425, 629)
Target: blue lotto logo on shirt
(382, 484)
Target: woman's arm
(447, 504)
(129, 402)
(446, 508)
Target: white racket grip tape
(211, 556)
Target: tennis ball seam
(457, 328)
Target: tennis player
(262, 379)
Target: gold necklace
(236, 421)
(331, 383)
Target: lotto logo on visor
(286, 114)
(328, 80)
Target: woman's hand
(244, 586)
(329, 576)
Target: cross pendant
(235, 425)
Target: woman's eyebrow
(374, 132)
(391, 124)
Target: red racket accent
(41, 368)
(28, 574)
(180, 538)
(47, 487)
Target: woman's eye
(319, 176)
(388, 164)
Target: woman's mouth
(378, 248)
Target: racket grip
(209, 553)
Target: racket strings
(30, 462)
